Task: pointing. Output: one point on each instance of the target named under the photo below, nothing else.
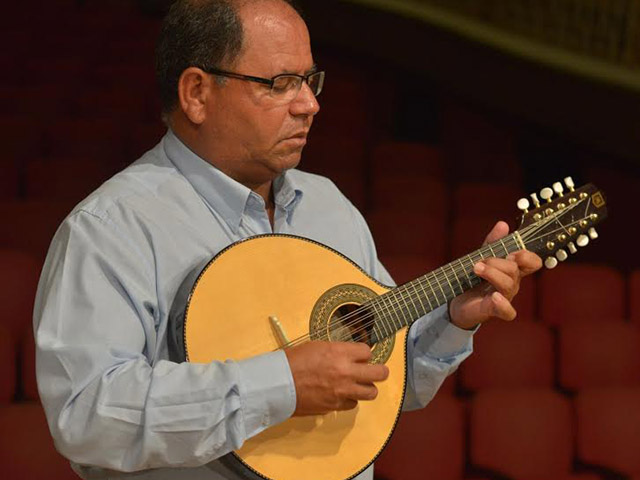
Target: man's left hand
(492, 299)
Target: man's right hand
(333, 376)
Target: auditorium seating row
(520, 434)
(517, 434)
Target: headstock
(563, 224)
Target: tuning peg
(592, 233)
(572, 247)
(582, 241)
(523, 204)
(550, 262)
(557, 187)
(562, 255)
(534, 197)
(546, 194)
(568, 181)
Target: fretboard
(403, 305)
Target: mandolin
(294, 290)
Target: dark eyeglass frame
(264, 81)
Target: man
(238, 86)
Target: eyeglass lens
(289, 85)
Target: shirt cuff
(268, 393)
(441, 339)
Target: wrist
(453, 318)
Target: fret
(457, 279)
(418, 296)
(441, 289)
(388, 319)
(493, 254)
(426, 295)
(506, 250)
(432, 290)
(395, 310)
(466, 273)
(390, 312)
(405, 294)
(453, 291)
(379, 315)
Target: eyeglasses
(284, 87)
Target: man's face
(252, 136)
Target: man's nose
(305, 102)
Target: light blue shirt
(114, 402)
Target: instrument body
(228, 318)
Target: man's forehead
(275, 33)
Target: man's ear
(194, 91)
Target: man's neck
(265, 190)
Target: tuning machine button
(523, 204)
(592, 233)
(546, 194)
(562, 255)
(572, 247)
(534, 197)
(557, 187)
(568, 181)
(582, 241)
(550, 262)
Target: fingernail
(479, 267)
(497, 296)
(511, 257)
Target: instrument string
(526, 236)
(365, 315)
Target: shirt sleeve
(110, 401)
(435, 346)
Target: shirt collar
(223, 194)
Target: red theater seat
(404, 268)
(599, 354)
(404, 233)
(30, 225)
(487, 199)
(113, 103)
(634, 296)
(478, 148)
(576, 292)
(28, 367)
(86, 138)
(9, 179)
(26, 447)
(143, 136)
(427, 443)
(19, 273)
(525, 301)
(36, 101)
(22, 136)
(609, 428)
(420, 195)
(65, 179)
(525, 434)
(328, 153)
(468, 233)
(407, 159)
(510, 355)
(7, 364)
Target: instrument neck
(403, 305)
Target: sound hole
(350, 323)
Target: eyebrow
(313, 69)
